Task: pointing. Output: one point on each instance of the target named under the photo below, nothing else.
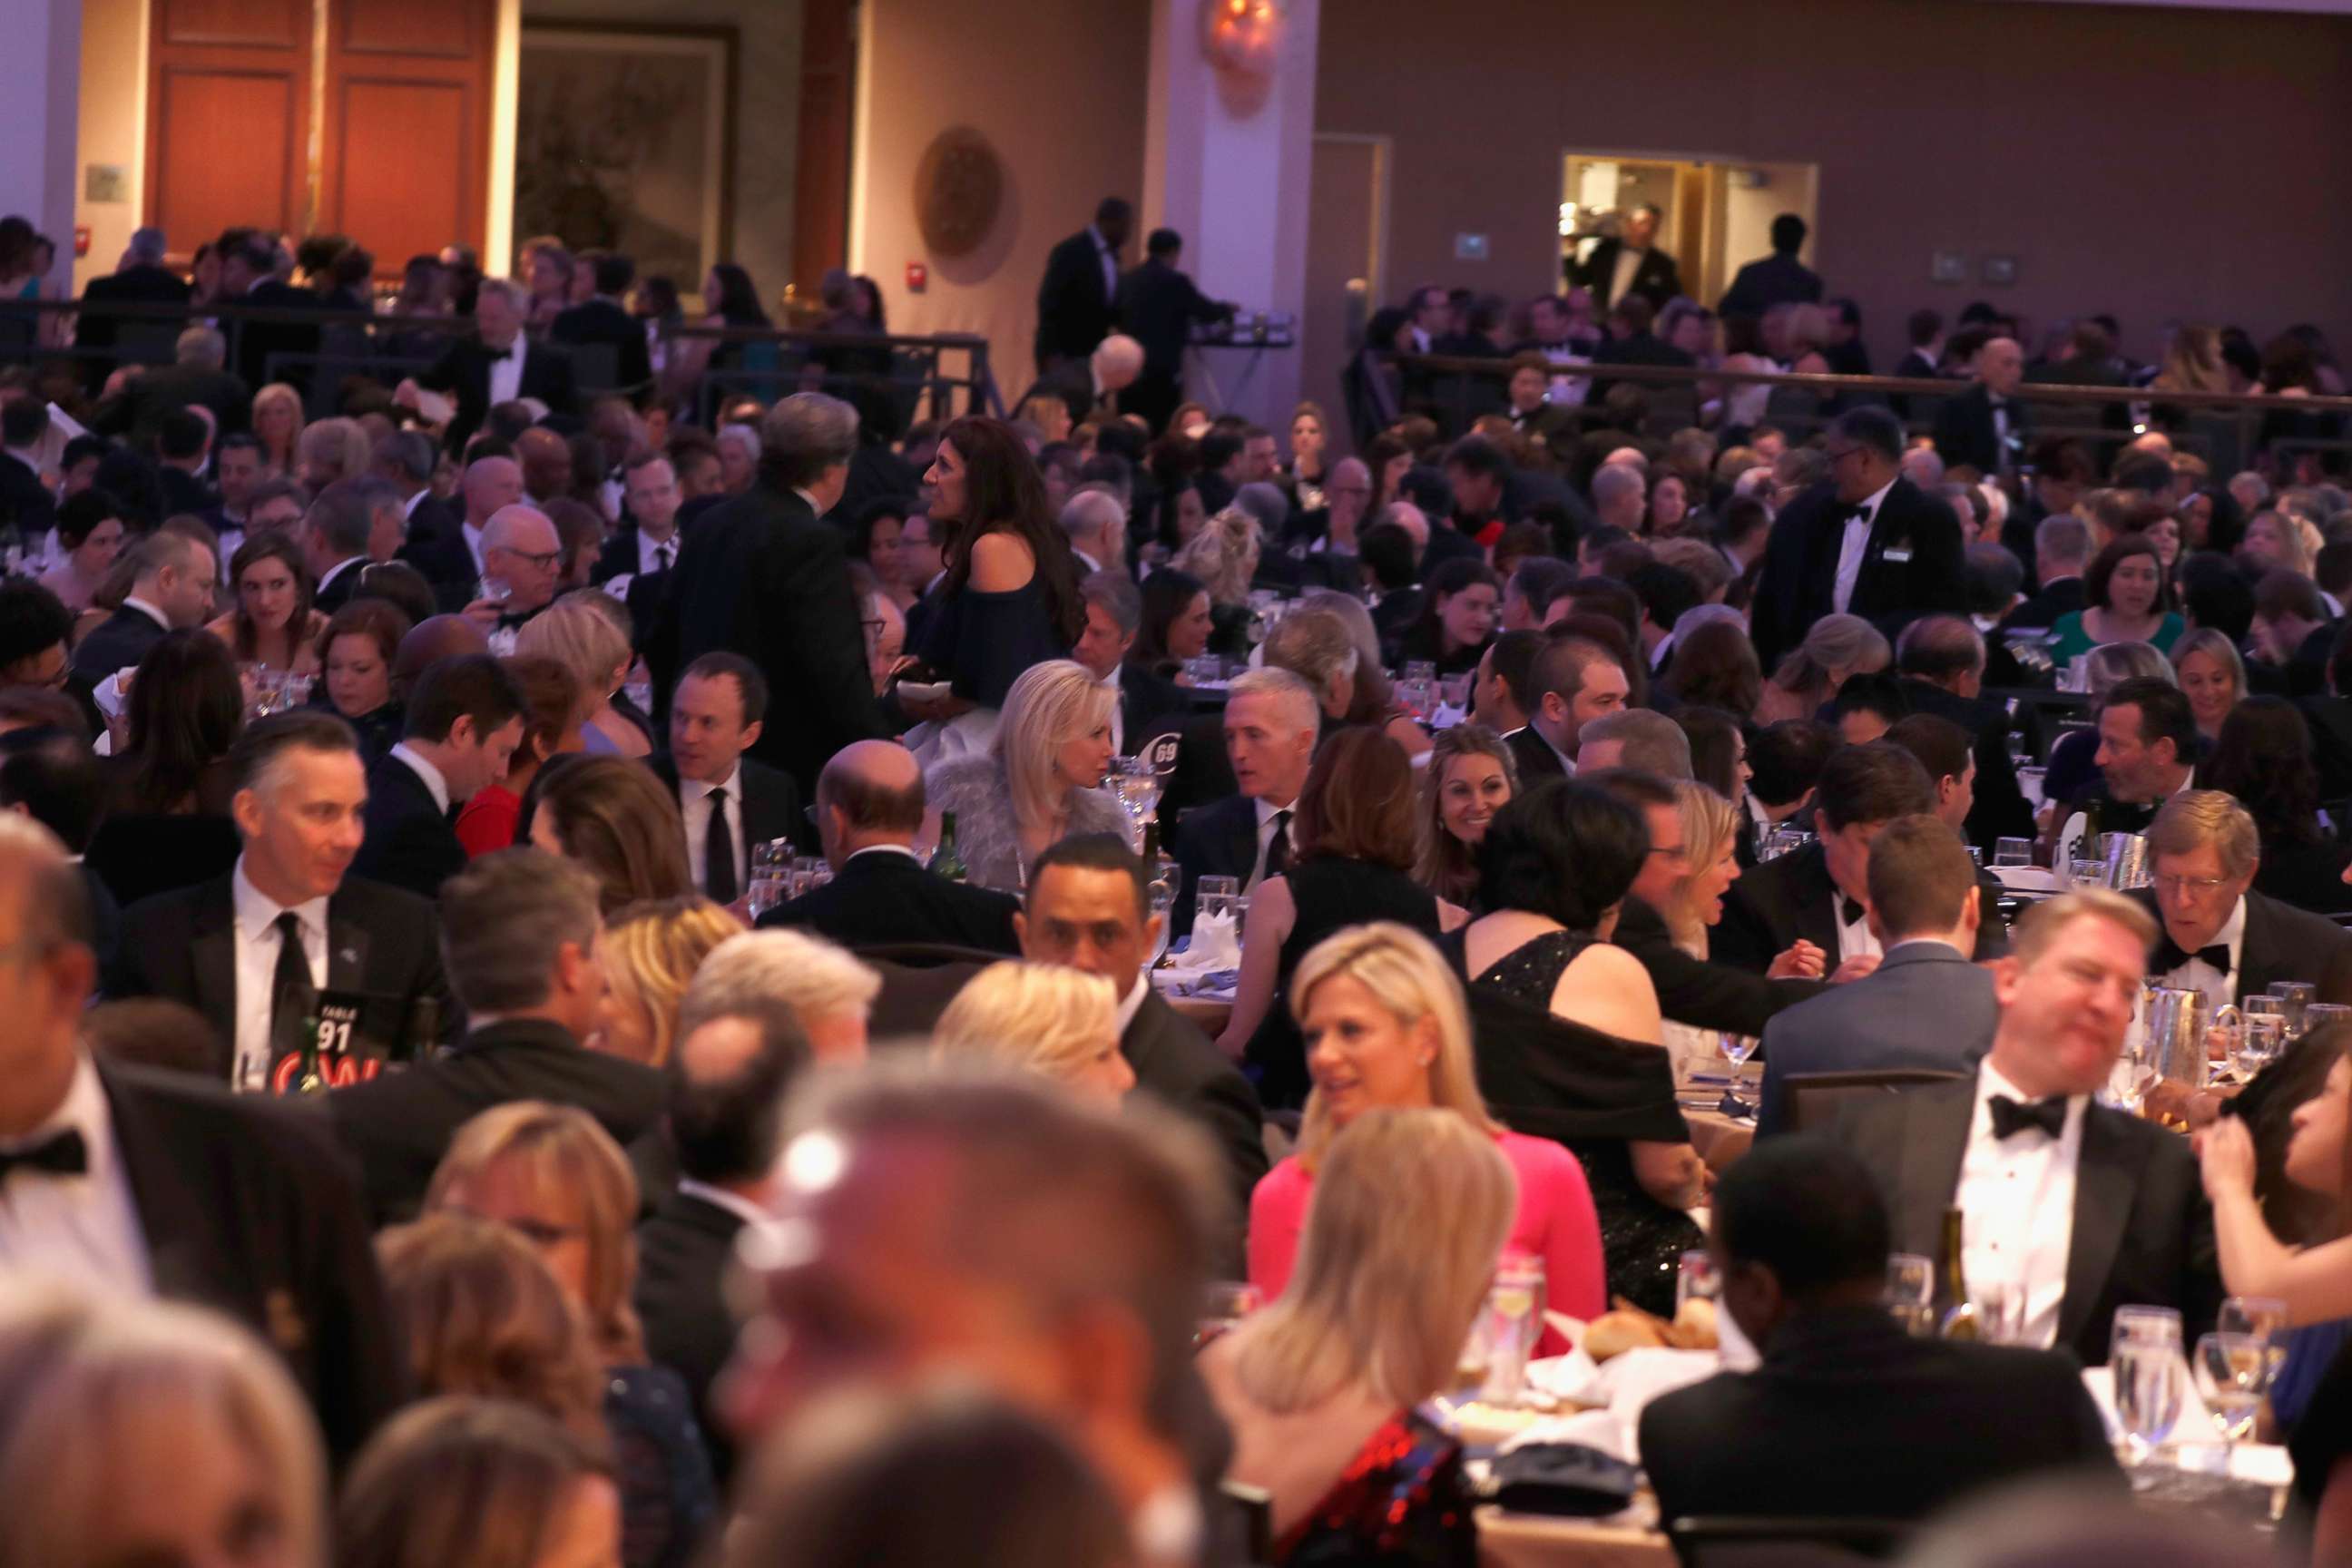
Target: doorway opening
(1715, 212)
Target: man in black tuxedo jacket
(2071, 1209)
(27, 502)
(464, 721)
(132, 1183)
(172, 590)
(334, 537)
(137, 401)
(1654, 276)
(1779, 278)
(602, 319)
(2146, 755)
(1073, 300)
(449, 553)
(1148, 704)
(1157, 305)
(518, 934)
(2221, 937)
(1089, 907)
(222, 946)
(869, 808)
(1849, 1416)
(1631, 342)
(497, 364)
(1984, 426)
(764, 577)
(2062, 551)
(1942, 660)
(248, 259)
(183, 443)
(138, 280)
(730, 802)
(1272, 721)
(643, 549)
(1867, 542)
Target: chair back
(1797, 1542)
(918, 979)
(1816, 1099)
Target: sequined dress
(1401, 1500)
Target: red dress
(488, 822)
(1401, 1501)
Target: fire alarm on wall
(81, 239)
(917, 275)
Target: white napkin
(1574, 1376)
(1638, 1376)
(1215, 945)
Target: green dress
(2074, 637)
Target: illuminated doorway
(1715, 212)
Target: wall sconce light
(1242, 36)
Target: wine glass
(2088, 873)
(1696, 1281)
(2259, 1044)
(2233, 1373)
(2264, 1318)
(1737, 1049)
(1911, 1293)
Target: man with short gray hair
(1272, 719)
(137, 398)
(140, 279)
(762, 575)
(334, 541)
(2062, 551)
(498, 364)
(1635, 737)
(1096, 525)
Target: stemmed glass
(2263, 1317)
(2143, 1358)
(1164, 900)
(2233, 1373)
(1737, 1049)
(1911, 1293)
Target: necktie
(1850, 910)
(2168, 956)
(1277, 851)
(292, 996)
(60, 1154)
(663, 551)
(2011, 1117)
(719, 853)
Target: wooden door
(404, 148)
(228, 117)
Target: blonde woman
(1809, 674)
(550, 1173)
(1320, 1388)
(135, 1432)
(1386, 1027)
(1041, 780)
(1710, 833)
(580, 633)
(649, 952)
(277, 423)
(477, 1483)
(1056, 1021)
(1471, 777)
(1224, 556)
(2211, 675)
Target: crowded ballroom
(757, 781)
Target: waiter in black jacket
(1081, 283)
(1868, 543)
(1157, 306)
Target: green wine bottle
(1956, 1314)
(945, 860)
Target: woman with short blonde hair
(1059, 1022)
(101, 1402)
(650, 951)
(475, 1483)
(1809, 674)
(1224, 556)
(1710, 865)
(579, 633)
(1041, 780)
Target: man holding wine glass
(2070, 1210)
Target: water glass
(767, 892)
(1420, 669)
(2145, 1326)
(1696, 1281)
(2232, 1374)
(771, 855)
(1456, 689)
(1911, 1293)
(2128, 1079)
(2259, 1043)
(2149, 1393)
(2013, 852)
(1216, 902)
(1782, 840)
(1511, 1326)
(497, 590)
(2319, 1014)
(2087, 874)
(2298, 995)
(1208, 669)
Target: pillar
(40, 78)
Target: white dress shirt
(85, 1229)
(1266, 810)
(1854, 546)
(1132, 1003)
(1854, 939)
(253, 924)
(736, 1204)
(438, 785)
(1629, 264)
(2016, 1199)
(2000, 431)
(656, 554)
(505, 374)
(694, 802)
(2219, 988)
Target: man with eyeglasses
(1867, 543)
(2221, 937)
(522, 553)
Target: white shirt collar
(736, 1204)
(694, 789)
(147, 608)
(1132, 1003)
(257, 911)
(1266, 808)
(83, 1110)
(908, 850)
(1876, 499)
(433, 780)
(337, 568)
(649, 549)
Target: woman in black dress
(1570, 1042)
(1457, 621)
(2263, 756)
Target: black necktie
(60, 1154)
(292, 995)
(1277, 850)
(1850, 910)
(2011, 1117)
(2168, 956)
(719, 853)
(662, 550)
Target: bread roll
(1614, 1333)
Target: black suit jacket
(2000, 810)
(2143, 1231)
(183, 491)
(96, 326)
(182, 945)
(138, 409)
(1148, 705)
(256, 340)
(399, 1125)
(336, 591)
(2283, 943)
(1157, 306)
(1793, 897)
(1072, 380)
(464, 368)
(249, 1209)
(1850, 1417)
(1179, 1066)
(1912, 564)
(26, 503)
(770, 806)
(683, 1249)
(602, 322)
(1965, 432)
(1774, 280)
(1219, 839)
(410, 842)
(435, 546)
(118, 642)
(1697, 991)
(2063, 597)
(1537, 759)
(880, 896)
(1074, 302)
(762, 577)
(1657, 280)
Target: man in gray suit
(1928, 1005)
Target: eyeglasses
(2197, 885)
(544, 561)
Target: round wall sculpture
(959, 190)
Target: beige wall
(2158, 163)
(1060, 96)
(113, 131)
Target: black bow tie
(63, 1154)
(2168, 956)
(498, 354)
(1848, 511)
(1850, 911)
(2011, 1117)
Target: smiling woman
(1470, 776)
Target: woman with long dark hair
(168, 824)
(2263, 756)
(272, 624)
(1178, 620)
(1457, 617)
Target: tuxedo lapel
(212, 953)
(1817, 900)
(1935, 1140)
(167, 1188)
(2104, 1176)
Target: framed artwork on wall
(625, 139)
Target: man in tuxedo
(728, 1082)
(1849, 1416)
(1631, 342)
(404, 459)
(1926, 1006)
(1942, 661)
(1868, 543)
(643, 550)
(139, 278)
(2146, 755)
(1148, 704)
(1089, 907)
(138, 398)
(2221, 937)
(2070, 1209)
(1628, 266)
(729, 803)
(1085, 386)
(602, 319)
(1081, 282)
(239, 470)
(1575, 680)
(523, 553)
(464, 721)
(254, 950)
(450, 554)
(1779, 278)
(1924, 360)
(518, 933)
(2062, 551)
(248, 277)
(1984, 426)
(1157, 305)
(869, 808)
(1817, 894)
(183, 439)
(334, 538)
(761, 577)
(172, 588)
(132, 1184)
(498, 364)
(1499, 689)
(1270, 723)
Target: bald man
(1985, 427)
(522, 553)
(546, 464)
(451, 558)
(430, 641)
(870, 806)
(1096, 382)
